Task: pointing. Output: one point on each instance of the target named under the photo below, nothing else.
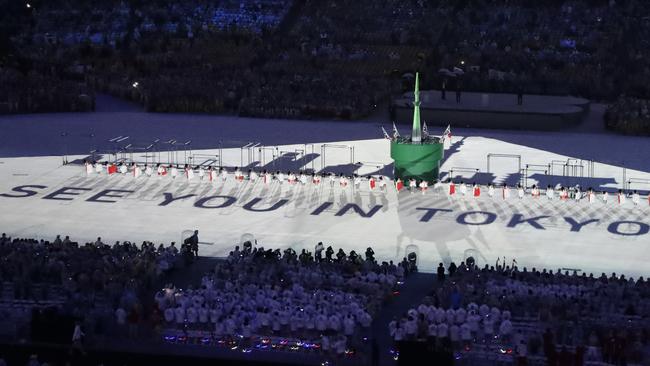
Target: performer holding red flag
(477, 190)
(452, 188)
(371, 183)
(399, 184)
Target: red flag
(477, 191)
(372, 183)
(452, 189)
(112, 169)
(399, 185)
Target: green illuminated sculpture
(419, 155)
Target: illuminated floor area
(554, 234)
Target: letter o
(643, 228)
(490, 217)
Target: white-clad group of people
(258, 293)
(222, 174)
(460, 326)
(505, 192)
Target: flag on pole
(447, 133)
(425, 130)
(395, 132)
(386, 135)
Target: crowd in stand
(565, 317)
(87, 282)
(629, 115)
(326, 296)
(335, 59)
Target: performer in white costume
(605, 196)
(189, 172)
(412, 185)
(357, 182)
(343, 181)
(505, 192)
(316, 179)
(223, 173)
(89, 168)
(520, 191)
(491, 190)
(174, 171)
(424, 185)
(212, 173)
(252, 176)
(463, 189)
(534, 191)
(98, 168)
(291, 178)
(137, 171)
(303, 178)
(123, 169)
(382, 184)
(621, 197)
(590, 195)
(549, 192)
(332, 179)
(635, 198)
(148, 170)
(280, 177)
(201, 172)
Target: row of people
(215, 174)
(504, 191)
(304, 178)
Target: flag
(395, 132)
(447, 133)
(386, 135)
(425, 130)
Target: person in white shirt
(268, 177)
(605, 196)
(123, 169)
(223, 173)
(505, 330)
(120, 317)
(463, 189)
(98, 168)
(520, 191)
(534, 191)
(148, 170)
(443, 331)
(201, 172)
(382, 184)
(549, 192)
(590, 195)
(412, 185)
(635, 198)
(332, 179)
(343, 181)
(189, 172)
(577, 194)
(303, 178)
(291, 178)
(212, 174)
(280, 177)
(316, 179)
(491, 190)
(424, 186)
(137, 171)
(88, 167)
(252, 175)
(357, 181)
(174, 171)
(437, 186)
(621, 197)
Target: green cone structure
(417, 156)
